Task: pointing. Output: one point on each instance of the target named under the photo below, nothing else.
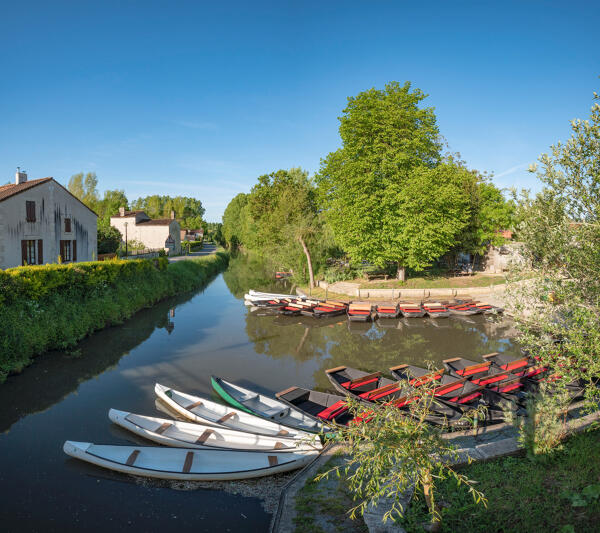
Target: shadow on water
(56, 374)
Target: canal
(181, 342)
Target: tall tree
(84, 187)
(232, 220)
(109, 205)
(373, 187)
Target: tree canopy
(187, 209)
(384, 192)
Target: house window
(67, 225)
(28, 255)
(30, 211)
(65, 250)
(68, 251)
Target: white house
(40, 220)
(154, 233)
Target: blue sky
(200, 98)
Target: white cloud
(512, 170)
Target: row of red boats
(497, 383)
(363, 312)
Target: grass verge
(562, 494)
(55, 306)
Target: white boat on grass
(258, 296)
(216, 414)
(188, 435)
(187, 464)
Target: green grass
(560, 495)
(321, 507)
(50, 317)
(436, 282)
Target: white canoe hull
(188, 435)
(187, 464)
(206, 412)
(256, 295)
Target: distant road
(209, 249)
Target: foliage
(233, 226)
(525, 496)
(391, 452)
(188, 210)
(132, 244)
(559, 314)
(109, 206)
(54, 306)
(84, 187)
(109, 239)
(386, 193)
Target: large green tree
(385, 192)
(84, 187)
(233, 220)
(189, 211)
(284, 210)
(109, 205)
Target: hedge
(54, 306)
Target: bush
(54, 306)
(109, 239)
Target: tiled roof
(156, 222)
(6, 191)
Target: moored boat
(411, 310)
(327, 408)
(326, 309)
(187, 464)
(387, 310)
(207, 412)
(456, 308)
(189, 435)
(519, 366)
(436, 310)
(359, 312)
(265, 407)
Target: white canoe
(186, 464)
(216, 414)
(256, 295)
(266, 407)
(188, 435)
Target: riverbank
(55, 306)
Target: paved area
(209, 249)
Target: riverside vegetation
(55, 306)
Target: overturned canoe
(188, 435)
(264, 406)
(186, 464)
(216, 414)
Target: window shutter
(74, 251)
(40, 256)
(62, 250)
(68, 225)
(23, 252)
(30, 211)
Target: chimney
(121, 211)
(20, 177)
(172, 215)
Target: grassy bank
(54, 306)
(561, 494)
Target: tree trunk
(401, 272)
(435, 524)
(309, 261)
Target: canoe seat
(277, 412)
(248, 397)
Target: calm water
(180, 343)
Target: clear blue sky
(200, 98)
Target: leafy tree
(389, 147)
(84, 187)
(232, 220)
(109, 205)
(188, 210)
(109, 239)
(284, 209)
(558, 313)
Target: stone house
(154, 233)
(40, 220)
